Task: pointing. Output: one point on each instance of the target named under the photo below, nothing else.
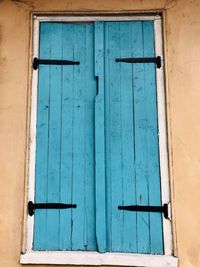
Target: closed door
(97, 139)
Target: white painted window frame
(94, 258)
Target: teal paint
(83, 145)
(132, 164)
(129, 232)
(66, 172)
(54, 145)
(140, 126)
(78, 234)
(65, 139)
(100, 140)
(107, 144)
(115, 168)
(97, 151)
(90, 94)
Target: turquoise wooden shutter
(99, 149)
(132, 157)
(65, 139)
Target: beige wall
(182, 39)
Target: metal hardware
(32, 206)
(163, 209)
(156, 60)
(37, 62)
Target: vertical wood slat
(40, 234)
(90, 94)
(107, 142)
(100, 139)
(65, 233)
(114, 88)
(141, 160)
(78, 215)
(129, 238)
(53, 186)
(155, 223)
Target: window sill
(95, 258)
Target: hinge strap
(37, 62)
(32, 206)
(163, 209)
(156, 60)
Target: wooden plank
(66, 138)
(163, 146)
(141, 160)
(114, 88)
(78, 214)
(129, 238)
(28, 228)
(100, 140)
(53, 187)
(40, 234)
(156, 238)
(95, 258)
(90, 18)
(90, 94)
(107, 142)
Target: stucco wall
(182, 52)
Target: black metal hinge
(156, 60)
(163, 209)
(32, 206)
(37, 62)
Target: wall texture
(182, 38)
